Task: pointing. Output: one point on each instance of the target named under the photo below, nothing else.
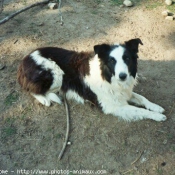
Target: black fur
(75, 66)
(107, 63)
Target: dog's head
(118, 61)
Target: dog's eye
(112, 60)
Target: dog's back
(50, 68)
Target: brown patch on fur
(33, 78)
(24, 82)
(80, 62)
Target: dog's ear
(96, 48)
(102, 50)
(133, 44)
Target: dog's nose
(122, 76)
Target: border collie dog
(105, 78)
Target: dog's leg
(75, 96)
(53, 97)
(42, 99)
(142, 101)
(132, 113)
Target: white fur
(132, 113)
(42, 99)
(73, 95)
(120, 67)
(47, 99)
(142, 101)
(114, 97)
(49, 64)
(110, 95)
(53, 97)
(57, 79)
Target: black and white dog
(105, 78)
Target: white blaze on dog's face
(118, 62)
(120, 66)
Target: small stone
(170, 18)
(41, 24)
(168, 2)
(68, 143)
(53, 5)
(165, 142)
(144, 159)
(128, 3)
(165, 13)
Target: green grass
(170, 136)
(171, 8)
(71, 174)
(8, 132)
(25, 2)
(98, 1)
(8, 129)
(18, 20)
(159, 171)
(117, 2)
(11, 98)
(120, 2)
(9, 121)
(173, 148)
(94, 12)
(149, 4)
(23, 117)
(152, 5)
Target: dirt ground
(32, 135)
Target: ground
(32, 135)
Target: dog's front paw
(158, 117)
(154, 107)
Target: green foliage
(171, 8)
(8, 132)
(151, 5)
(159, 171)
(71, 173)
(117, 2)
(8, 129)
(120, 2)
(173, 148)
(98, 1)
(11, 98)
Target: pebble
(53, 5)
(69, 143)
(144, 159)
(168, 2)
(128, 3)
(165, 13)
(165, 142)
(170, 18)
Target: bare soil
(32, 135)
